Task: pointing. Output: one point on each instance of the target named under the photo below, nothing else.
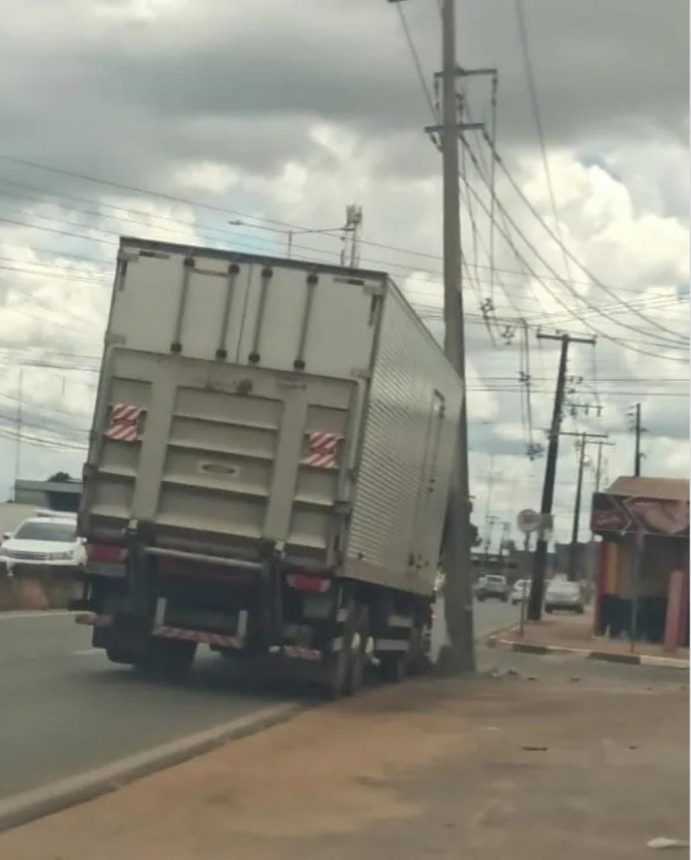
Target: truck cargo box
(250, 406)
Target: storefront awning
(657, 506)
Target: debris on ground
(664, 842)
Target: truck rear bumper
(165, 631)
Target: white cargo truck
(268, 466)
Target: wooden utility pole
(537, 586)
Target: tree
(60, 478)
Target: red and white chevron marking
(299, 652)
(324, 441)
(321, 461)
(125, 412)
(124, 426)
(123, 432)
(323, 449)
(201, 636)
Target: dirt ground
(562, 759)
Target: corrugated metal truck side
(268, 465)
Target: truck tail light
(105, 552)
(308, 582)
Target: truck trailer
(268, 466)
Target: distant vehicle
(45, 540)
(562, 594)
(493, 586)
(520, 591)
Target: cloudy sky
(167, 118)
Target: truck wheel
(418, 658)
(168, 658)
(358, 656)
(394, 667)
(335, 674)
(336, 667)
(120, 656)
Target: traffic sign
(528, 521)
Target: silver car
(493, 586)
(566, 595)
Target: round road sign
(528, 521)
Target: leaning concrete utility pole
(460, 655)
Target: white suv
(47, 540)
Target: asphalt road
(65, 709)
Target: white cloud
(247, 108)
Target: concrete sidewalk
(537, 764)
(565, 631)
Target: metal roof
(668, 489)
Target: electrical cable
(555, 296)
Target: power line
(201, 227)
(555, 296)
(224, 211)
(506, 217)
(416, 60)
(581, 266)
(532, 87)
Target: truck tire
(336, 666)
(335, 674)
(418, 660)
(358, 657)
(394, 667)
(168, 658)
(120, 656)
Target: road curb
(30, 805)
(604, 656)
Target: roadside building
(55, 495)
(642, 580)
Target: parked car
(566, 595)
(494, 586)
(520, 591)
(45, 540)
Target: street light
(238, 222)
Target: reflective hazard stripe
(323, 441)
(124, 422)
(301, 653)
(323, 448)
(93, 619)
(201, 636)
